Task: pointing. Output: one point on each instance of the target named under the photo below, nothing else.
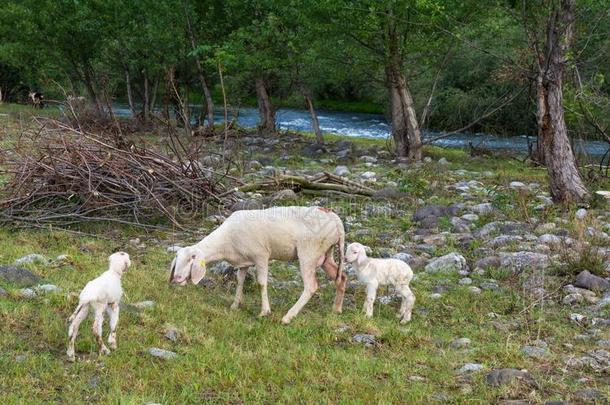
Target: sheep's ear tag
(202, 263)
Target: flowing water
(376, 126)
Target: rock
(545, 228)
(474, 289)
(369, 159)
(506, 376)
(503, 240)
(253, 165)
(459, 225)
(434, 211)
(549, 239)
(435, 296)
(490, 262)
(443, 161)
(171, 333)
(534, 351)
(591, 282)
(460, 343)
(341, 171)
(416, 378)
(580, 214)
(30, 259)
(470, 217)
(574, 317)
(518, 261)
(20, 358)
(517, 185)
(470, 368)
(465, 281)
(452, 262)
(26, 293)
(365, 338)
(173, 249)
(222, 269)
(484, 208)
(144, 304)
(48, 288)
(490, 285)
(589, 395)
(3, 292)
(368, 175)
(588, 295)
(62, 258)
(162, 353)
(342, 328)
(404, 257)
(18, 276)
(572, 299)
(250, 204)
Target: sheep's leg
(262, 271)
(330, 268)
(310, 284)
(371, 292)
(408, 301)
(239, 293)
(73, 330)
(113, 314)
(98, 322)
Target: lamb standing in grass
(376, 272)
(102, 293)
(253, 237)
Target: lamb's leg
(408, 301)
(310, 284)
(73, 330)
(371, 292)
(239, 293)
(330, 268)
(98, 322)
(113, 314)
(262, 270)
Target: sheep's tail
(76, 311)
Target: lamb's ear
(172, 269)
(361, 255)
(197, 269)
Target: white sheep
(253, 237)
(102, 293)
(376, 272)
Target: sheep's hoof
(265, 313)
(286, 320)
(234, 306)
(71, 358)
(104, 350)
(112, 345)
(404, 320)
(338, 310)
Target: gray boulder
(518, 261)
(30, 259)
(162, 353)
(247, 205)
(18, 276)
(452, 262)
(506, 376)
(591, 282)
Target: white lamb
(253, 237)
(376, 272)
(102, 293)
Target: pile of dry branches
(62, 176)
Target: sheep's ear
(197, 269)
(361, 255)
(172, 269)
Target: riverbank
(493, 260)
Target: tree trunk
(146, 101)
(553, 142)
(153, 98)
(315, 123)
(405, 128)
(132, 106)
(90, 87)
(267, 113)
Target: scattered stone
(572, 299)
(545, 228)
(434, 211)
(574, 317)
(536, 352)
(435, 296)
(369, 159)
(416, 378)
(505, 376)
(402, 256)
(517, 185)
(484, 208)
(31, 259)
(591, 282)
(222, 269)
(465, 281)
(144, 304)
(368, 175)
(48, 288)
(470, 368)
(549, 239)
(389, 193)
(20, 358)
(171, 333)
(589, 395)
(26, 293)
(3, 292)
(518, 261)
(162, 353)
(443, 161)
(503, 240)
(488, 262)
(342, 328)
(173, 249)
(581, 214)
(62, 258)
(460, 343)
(283, 195)
(475, 290)
(342, 171)
(490, 285)
(452, 262)
(365, 338)
(470, 217)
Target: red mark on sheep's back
(326, 210)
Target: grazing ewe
(37, 99)
(253, 237)
(376, 272)
(102, 293)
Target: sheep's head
(355, 252)
(119, 261)
(189, 262)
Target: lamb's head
(355, 252)
(119, 262)
(189, 262)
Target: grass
(235, 357)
